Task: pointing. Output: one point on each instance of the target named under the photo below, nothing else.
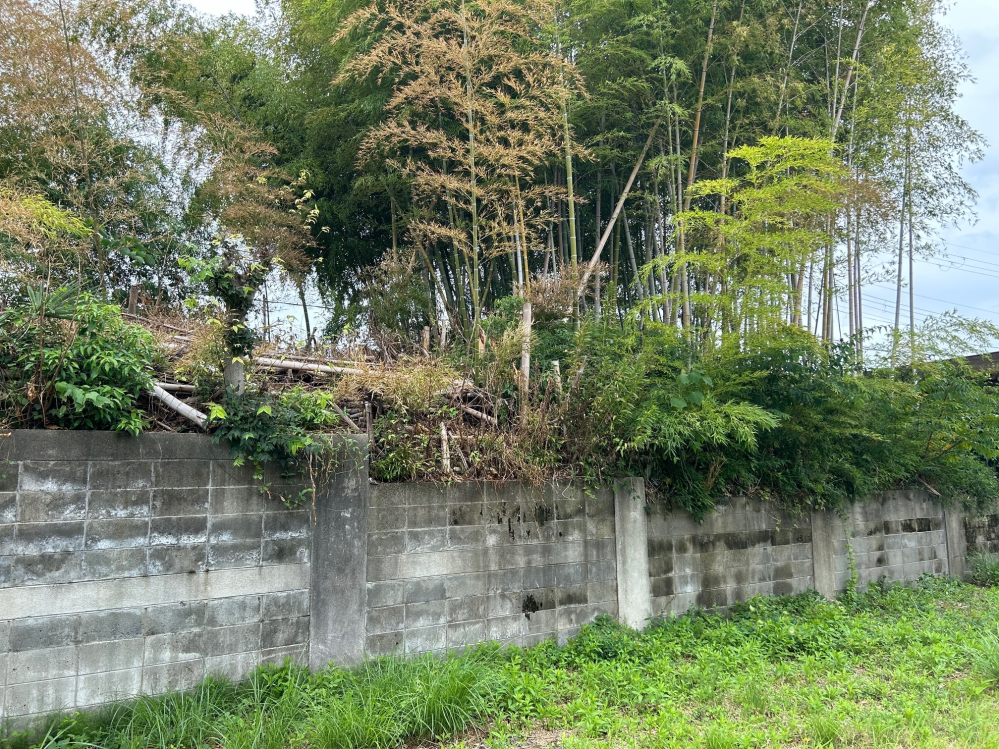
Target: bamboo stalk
(178, 406)
(304, 366)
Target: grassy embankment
(910, 666)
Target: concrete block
(116, 624)
(228, 528)
(8, 505)
(426, 539)
(426, 516)
(386, 643)
(40, 697)
(226, 474)
(574, 574)
(45, 506)
(295, 653)
(36, 633)
(384, 543)
(53, 476)
(601, 591)
(574, 530)
(468, 584)
(235, 666)
(181, 474)
(574, 595)
(174, 647)
(502, 581)
(226, 612)
(117, 533)
(425, 589)
(425, 640)
(111, 563)
(505, 627)
(9, 471)
(170, 677)
(243, 553)
(170, 502)
(383, 568)
(600, 549)
(279, 633)
(178, 531)
(503, 604)
(425, 614)
(174, 617)
(386, 519)
(38, 569)
(545, 620)
(169, 560)
(239, 639)
(541, 577)
(38, 665)
(120, 475)
(290, 604)
(467, 608)
(49, 538)
(386, 593)
(283, 525)
(99, 657)
(425, 565)
(466, 633)
(286, 551)
(101, 688)
(236, 500)
(385, 619)
(466, 536)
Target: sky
(968, 279)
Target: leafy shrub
(71, 361)
(983, 569)
(285, 430)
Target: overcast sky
(969, 280)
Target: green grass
(896, 666)
(983, 569)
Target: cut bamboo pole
(304, 366)
(179, 406)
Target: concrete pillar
(631, 533)
(338, 609)
(823, 553)
(957, 541)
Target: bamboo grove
(723, 166)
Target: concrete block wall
(742, 550)
(138, 565)
(898, 535)
(981, 532)
(453, 566)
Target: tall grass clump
(983, 569)
(387, 700)
(986, 657)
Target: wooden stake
(179, 406)
(445, 450)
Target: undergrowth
(893, 666)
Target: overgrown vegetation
(983, 568)
(896, 666)
(68, 360)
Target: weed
(824, 729)
(986, 657)
(983, 569)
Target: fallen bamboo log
(179, 406)
(304, 366)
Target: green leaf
(696, 397)
(265, 410)
(678, 403)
